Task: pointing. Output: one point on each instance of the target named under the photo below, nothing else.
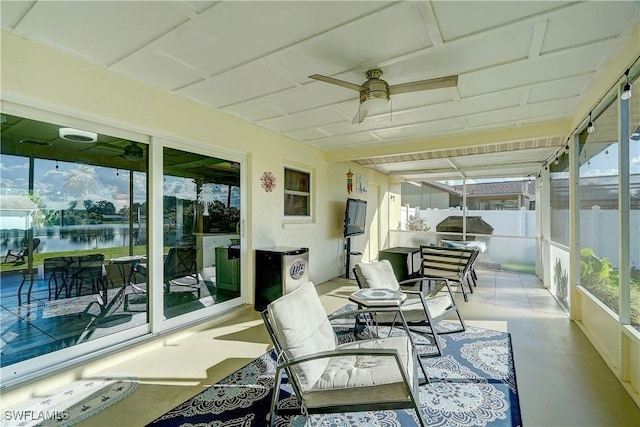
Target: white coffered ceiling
(520, 64)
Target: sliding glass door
(73, 210)
(76, 272)
(201, 231)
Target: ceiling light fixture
(590, 127)
(77, 135)
(374, 102)
(626, 92)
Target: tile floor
(561, 379)
(43, 325)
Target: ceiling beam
(544, 130)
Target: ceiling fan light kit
(375, 92)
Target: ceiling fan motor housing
(375, 88)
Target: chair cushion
(363, 371)
(377, 274)
(302, 327)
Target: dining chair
(423, 309)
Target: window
(297, 193)
(634, 183)
(599, 216)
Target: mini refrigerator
(279, 270)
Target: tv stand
(347, 260)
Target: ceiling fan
(132, 152)
(377, 91)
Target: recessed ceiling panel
(308, 134)
(157, 69)
(309, 96)
(254, 110)
(234, 32)
(104, 31)
(565, 88)
(588, 23)
(466, 55)
(558, 108)
(462, 18)
(243, 84)
(363, 44)
(547, 68)
(305, 119)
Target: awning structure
(16, 212)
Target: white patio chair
(326, 377)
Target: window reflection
(201, 210)
(75, 213)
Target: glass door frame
(156, 222)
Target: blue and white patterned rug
(472, 384)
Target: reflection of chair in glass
(20, 254)
(368, 375)
(180, 271)
(89, 270)
(55, 273)
(422, 308)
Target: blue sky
(59, 183)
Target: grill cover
(453, 224)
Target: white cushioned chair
(422, 308)
(366, 375)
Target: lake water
(74, 238)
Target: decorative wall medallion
(268, 181)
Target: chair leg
(464, 293)
(274, 399)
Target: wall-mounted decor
(268, 181)
(361, 183)
(349, 182)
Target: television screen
(355, 217)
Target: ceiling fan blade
(419, 85)
(342, 83)
(360, 115)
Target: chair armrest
(412, 282)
